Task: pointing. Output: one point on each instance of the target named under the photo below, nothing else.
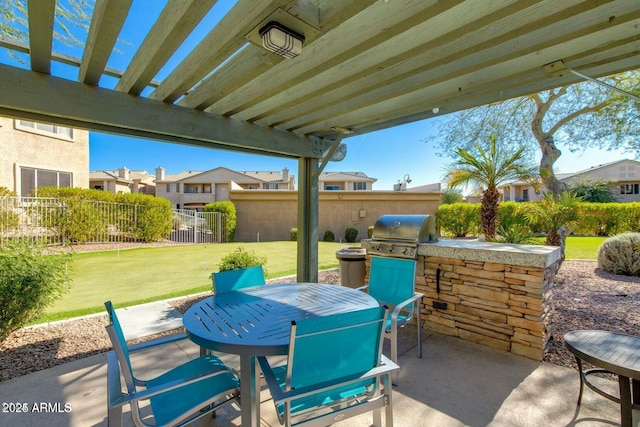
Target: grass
(136, 276)
(579, 247)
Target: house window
(629, 189)
(270, 186)
(32, 179)
(98, 187)
(332, 187)
(525, 195)
(44, 128)
(359, 185)
(168, 188)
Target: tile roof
(345, 176)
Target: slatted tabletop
(615, 352)
(257, 320)
(610, 352)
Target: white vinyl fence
(69, 221)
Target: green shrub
(370, 231)
(621, 254)
(459, 219)
(451, 195)
(516, 233)
(602, 219)
(229, 219)
(350, 234)
(510, 215)
(76, 221)
(30, 281)
(8, 218)
(632, 215)
(80, 219)
(241, 258)
(293, 234)
(328, 236)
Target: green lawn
(134, 276)
(582, 247)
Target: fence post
(195, 226)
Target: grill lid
(405, 228)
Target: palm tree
(556, 216)
(487, 170)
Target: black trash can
(352, 266)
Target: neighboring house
(345, 181)
(623, 174)
(34, 155)
(123, 180)
(518, 192)
(195, 189)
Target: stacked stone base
(502, 306)
(491, 294)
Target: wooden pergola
(365, 65)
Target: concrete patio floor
(455, 383)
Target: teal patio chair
(392, 282)
(179, 396)
(233, 280)
(335, 370)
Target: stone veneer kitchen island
(488, 293)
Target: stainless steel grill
(399, 235)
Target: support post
(307, 220)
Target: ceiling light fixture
(281, 40)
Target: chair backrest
(392, 280)
(325, 348)
(119, 344)
(233, 280)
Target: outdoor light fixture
(281, 40)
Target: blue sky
(386, 155)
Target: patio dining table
(256, 321)
(613, 353)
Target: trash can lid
(353, 252)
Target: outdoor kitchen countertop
(503, 253)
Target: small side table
(613, 353)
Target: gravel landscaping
(584, 297)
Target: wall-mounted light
(281, 40)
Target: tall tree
(574, 117)
(487, 168)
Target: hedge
(82, 221)
(459, 219)
(229, 219)
(596, 219)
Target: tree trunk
(550, 154)
(489, 212)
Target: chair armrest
(362, 288)
(171, 385)
(396, 311)
(158, 341)
(115, 397)
(279, 395)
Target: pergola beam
(39, 97)
(41, 17)
(108, 19)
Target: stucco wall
(25, 148)
(274, 213)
